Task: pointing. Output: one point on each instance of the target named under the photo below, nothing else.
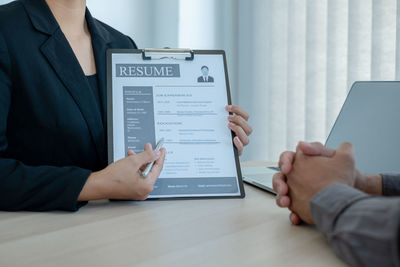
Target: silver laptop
(260, 176)
(370, 120)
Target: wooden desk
(223, 232)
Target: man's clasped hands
(311, 169)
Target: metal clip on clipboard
(167, 53)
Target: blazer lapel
(60, 55)
(100, 43)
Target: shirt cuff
(327, 205)
(390, 184)
(74, 188)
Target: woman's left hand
(239, 124)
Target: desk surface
(222, 232)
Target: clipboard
(178, 95)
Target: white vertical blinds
(296, 73)
(276, 105)
(315, 50)
(295, 60)
(337, 58)
(383, 55)
(254, 47)
(291, 62)
(359, 41)
(316, 66)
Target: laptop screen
(370, 120)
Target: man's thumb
(346, 148)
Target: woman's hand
(123, 179)
(238, 123)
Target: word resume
(182, 101)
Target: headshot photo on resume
(205, 78)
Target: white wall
(151, 23)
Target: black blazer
(210, 79)
(52, 133)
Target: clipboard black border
(110, 136)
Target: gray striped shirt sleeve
(363, 230)
(391, 184)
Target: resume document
(183, 102)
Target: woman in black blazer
(53, 110)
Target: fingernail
(278, 187)
(228, 108)
(230, 117)
(158, 153)
(230, 124)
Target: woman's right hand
(123, 179)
